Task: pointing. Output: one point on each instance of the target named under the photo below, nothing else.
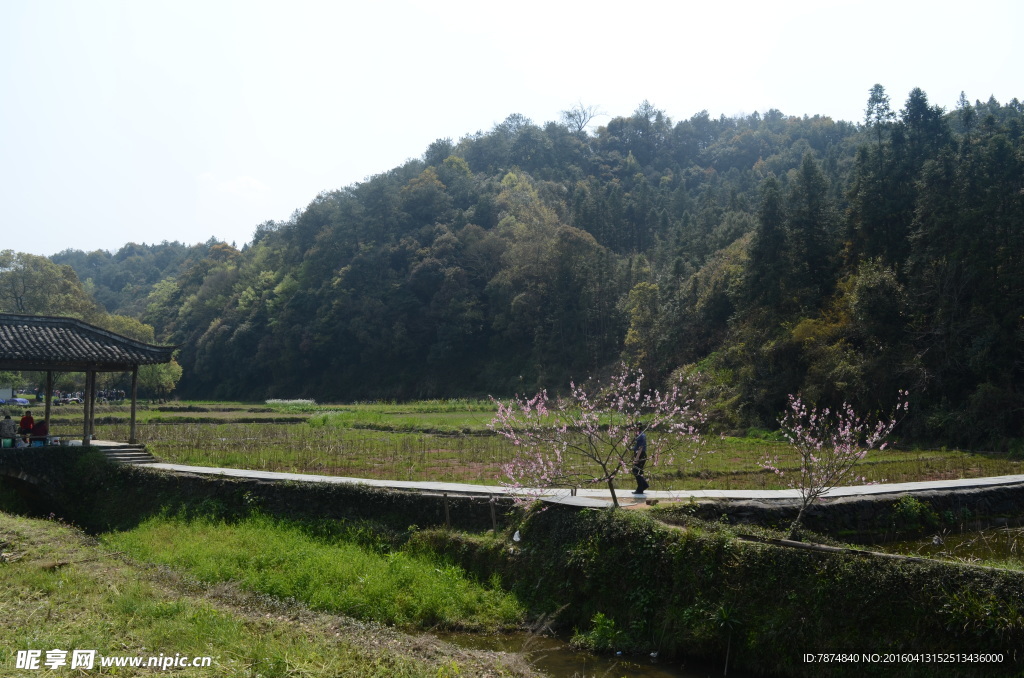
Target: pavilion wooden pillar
(47, 397)
(135, 391)
(92, 407)
(90, 380)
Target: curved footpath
(600, 498)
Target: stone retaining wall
(74, 479)
(879, 517)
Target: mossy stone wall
(700, 591)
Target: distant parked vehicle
(67, 400)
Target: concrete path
(462, 489)
(596, 498)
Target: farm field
(449, 440)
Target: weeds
(1001, 547)
(284, 560)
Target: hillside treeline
(759, 255)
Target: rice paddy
(449, 440)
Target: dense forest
(759, 256)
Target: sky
(151, 120)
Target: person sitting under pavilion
(8, 430)
(41, 432)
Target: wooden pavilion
(49, 344)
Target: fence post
(447, 513)
(494, 517)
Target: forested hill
(764, 255)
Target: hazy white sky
(156, 120)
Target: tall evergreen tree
(811, 222)
(765, 283)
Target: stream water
(559, 659)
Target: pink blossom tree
(587, 437)
(829, 444)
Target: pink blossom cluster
(587, 437)
(829, 444)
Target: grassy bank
(62, 589)
(332, 571)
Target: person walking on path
(639, 460)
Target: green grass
(452, 416)
(431, 406)
(269, 556)
(60, 589)
(398, 420)
(734, 463)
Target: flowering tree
(587, 437)
(829, 445)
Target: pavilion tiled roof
(50, 343)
